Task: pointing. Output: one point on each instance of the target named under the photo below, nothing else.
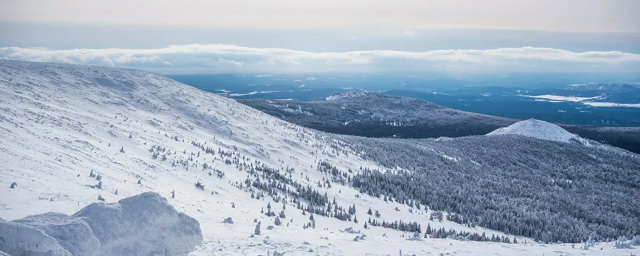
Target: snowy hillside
(537, 129)
(349, 94)
(374, 114)
(71, 134)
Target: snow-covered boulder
(21, 239)
(73, 234)
(537, 129)
(144, 224)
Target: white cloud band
(230, 58)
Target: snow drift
(537, 129)
(144, 224)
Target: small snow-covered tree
(590, 242)
(277, 221)
(622, 243)
(257, 231)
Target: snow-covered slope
(73, 133)
(537, 129)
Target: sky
(198, 36)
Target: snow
(611, 104)
(536, 129)
(20, 239)
(584, 100)
(559, 98)
(144, 224)
(350, 94)
(250, 93)
(59, 122)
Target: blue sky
(196, 36)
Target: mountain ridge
(381, 115)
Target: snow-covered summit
(349, 94)
(536, 129)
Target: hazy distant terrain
(567, 99)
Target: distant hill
(373, 114)
(537, 129)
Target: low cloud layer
(217, 58)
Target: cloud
(230, 62)
(409, 33)
(218, 58)
(557, 15)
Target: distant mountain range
(373, 114)
(606, 87)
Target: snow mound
(537, 129)
(144, 224)
(350, 94)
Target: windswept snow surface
(144, 224)
(537, 129)
(70, 134)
